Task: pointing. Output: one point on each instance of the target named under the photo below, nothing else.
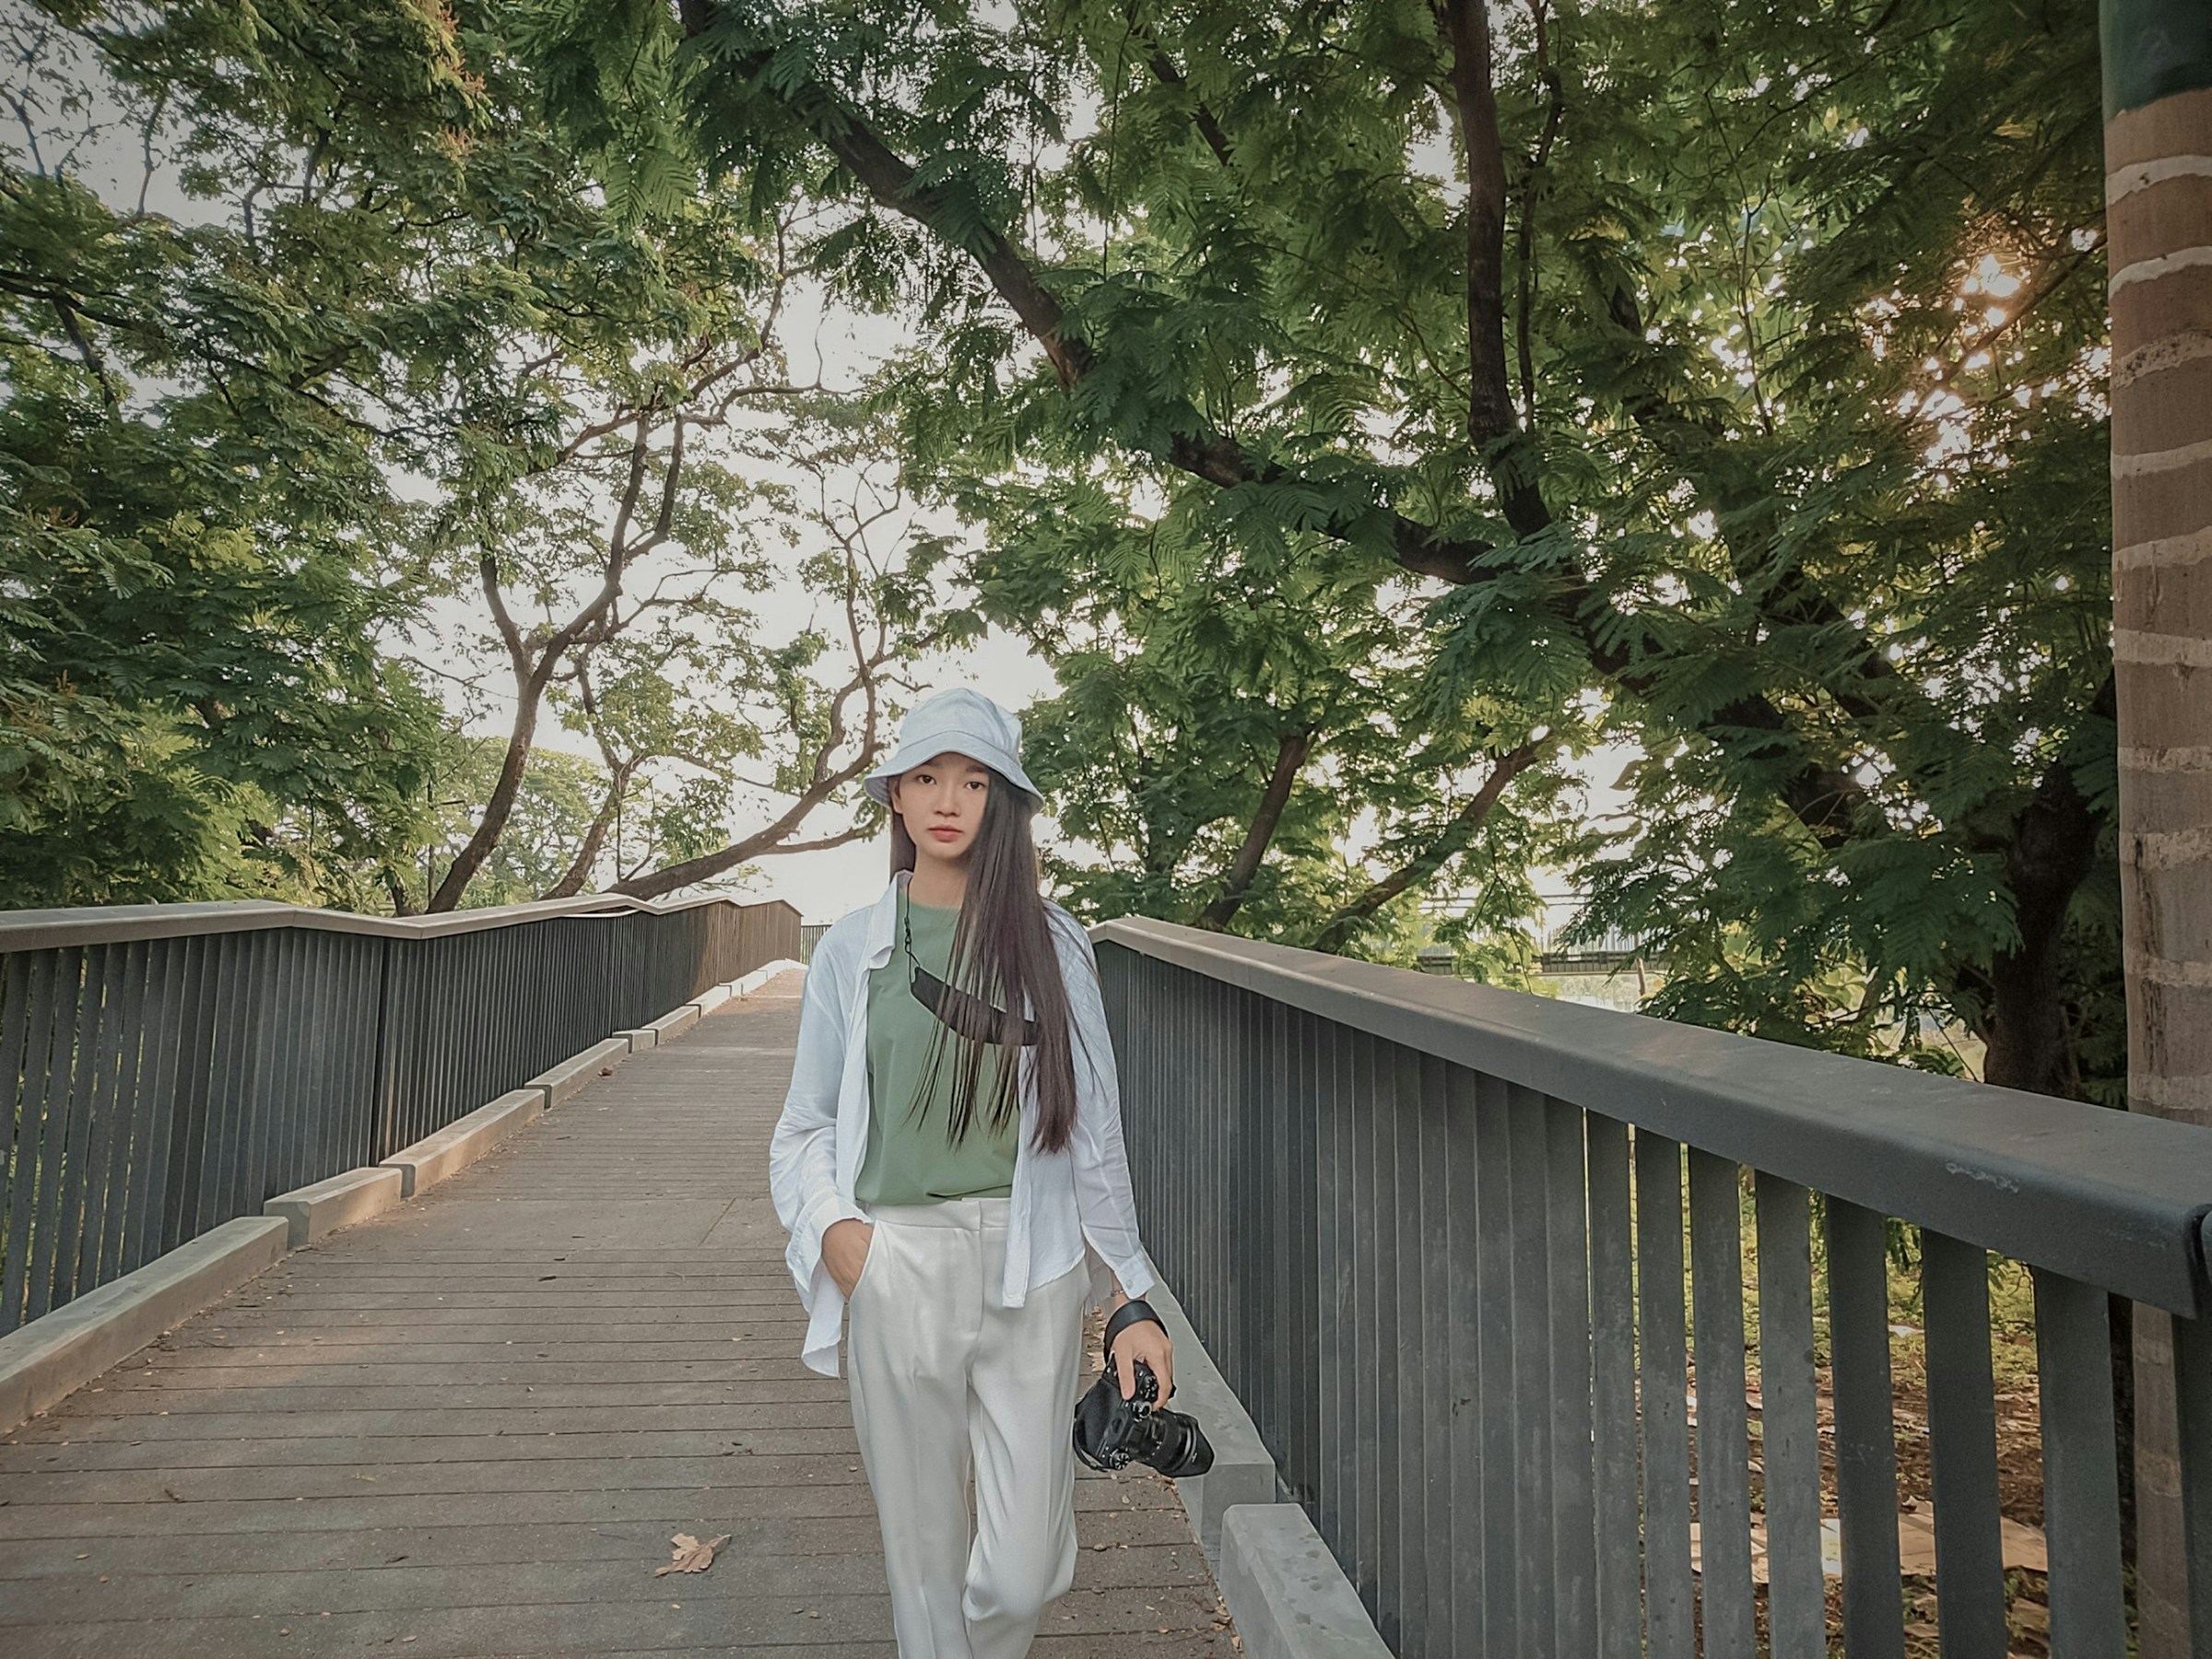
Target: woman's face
(942, 803)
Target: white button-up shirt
(1067, 1208)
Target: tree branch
(1451, 839)
(1163, 69)
(1289, 758)
(1555, 111)
(1216, 457)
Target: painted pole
(2158, 149)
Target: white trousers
(947, 1382)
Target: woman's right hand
(845, 1251)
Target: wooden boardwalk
(470, 1428)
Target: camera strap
(965, 1012)
(1136, 1311)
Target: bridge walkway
(471, 1427)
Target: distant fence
(1434, 1236)
(168, 1068)
(808, 933)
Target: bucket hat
(960, 721)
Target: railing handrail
(2108, 1197)
(111, 923)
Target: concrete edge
(1281, 1584)
(320, 1208)
(58, 1353)
(711, 998)
(639, 1037)
(560, 1081)
(438, 1156)
(748, 984)
(1286, 1590)
(1243, 1469)
(672, 1025)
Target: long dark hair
(1003, 952)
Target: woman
(949, 1167)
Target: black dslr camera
(1112, 1432)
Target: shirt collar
(883, 920)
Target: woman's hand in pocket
(845, 1251)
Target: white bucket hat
(960, 721)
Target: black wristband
(1133, 1312)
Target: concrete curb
(1243, 1469)
(639, 1037)
(1285, 1590)
(1282, 1585)
(669, 1026)
(435, 1156)
(58, 1353)
(560, 1082)
(715, 998)
(760, 976)
(321, 1209)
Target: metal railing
(168, 1068)
(1434, 1234)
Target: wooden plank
(1789, 1422)
(1722, 1433)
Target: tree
(2158, 134)
(190, 512)
(405, 350)
(1736, 361)
(885, 610)
(1239, 706)
(574, 533)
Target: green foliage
(255, 456)
(1801, 312)
(188, 614)
(1191, 650)
(1798, 309)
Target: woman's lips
(942, 833)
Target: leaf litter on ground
(688, 1555)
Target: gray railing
(168, 1068)
(1435, 1236)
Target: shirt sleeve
(1103, 1198)
(802, 1152)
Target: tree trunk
(594, 840)
(2158, 140)
(494, 824)
(2026, 1023)
(1493, 426)
(1246, 864)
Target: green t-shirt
(908, 1160)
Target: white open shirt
(1068, 1206)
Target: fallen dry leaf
(690, 1555)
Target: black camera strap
(965, 1012)
(1136, 1311)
